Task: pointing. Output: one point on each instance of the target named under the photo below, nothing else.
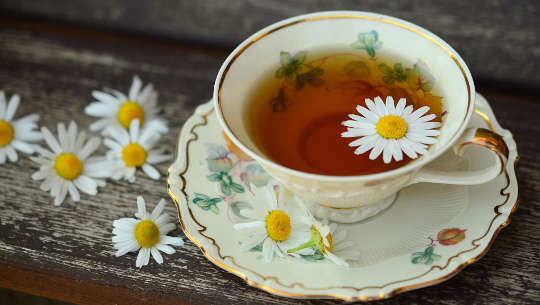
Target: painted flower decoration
(115, 109)
(295, 71)
(368, 41)
(136, 149)
(391, 130)
(67, 167)
(419, 77)
(331, 241)
(278, 225)
(16, 134)
(450, 236)
(147, 233)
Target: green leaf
(429, 250)
(385, 69)
(284, 58)
(370, 51)
(214, 200)
(225, 189)
(317, 256)
(300, 56)
(214, 209)
(356, 68)
(237, 187)
(436, 257)
(238, 206)
(398, 67)
(388, 80)
(280, 73)
(214, 177)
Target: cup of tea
(294, 95)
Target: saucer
(428, 234)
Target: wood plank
(55, 71)
(497, 38)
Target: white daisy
(278, 224)
(331, 241)
(128, 151)
(391, 130)
(147, 232)
(15, 134)
(67, 166)
(118, 110)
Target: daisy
(391, 130)
(147, 232)
(15, 134)
(280, 225)
(67, 166)
(118, 110)
(128, 151)
(331, 241)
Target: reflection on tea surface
(295, 114)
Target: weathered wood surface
(498, 38)
(66, 253)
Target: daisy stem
(308, 244)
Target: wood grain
(498, 39)
(55, 71)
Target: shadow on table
(10, 297)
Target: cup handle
(485, 138)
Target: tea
(294, 116)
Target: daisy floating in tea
(391, 129)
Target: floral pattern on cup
(446, 237)
(368, 41)
(297, 72)
(233, 172)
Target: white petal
(73, 192)
(166, 228)
(100, 110)
(51, 140)
(175, 241)
(161, 220)
(31, 136)
(2, 105)
(126, 224)
(11, 153)
(151, 171)
(21, 146)
(419, 112)
(141, 208)
(336, 260)
(380, 107)
(251, 241)
(143, 257)
(370, 105)
(86, 184)
(165, 249)
(358, 132)
(370, 116)
(134, 130)
(249, 226)
(40, 175)
(158, 209)
(157, 158)
(400, 106)
(135, 88)
(420, 138)
(156, 255)
(12, 107)
(268, 250)
(396, 148)
(377, 149)
(100, 124)
(61, 195)
(63, 138)
(132, 246)
(390, 105)
(388, 152)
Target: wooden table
(54, 53)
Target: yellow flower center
(392, 127)
(129, 111)
(68, 166)
(147, 233)
(278, 225)
(6, 133)
(134, 154)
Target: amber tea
(294, 115)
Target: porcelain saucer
(428, 234)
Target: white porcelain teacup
(352, 198)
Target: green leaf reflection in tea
(356, 68)
(280, 102)
(392, 75)
(368, 41)
(297, 72)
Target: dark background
(54, 52)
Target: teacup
(352, 198)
